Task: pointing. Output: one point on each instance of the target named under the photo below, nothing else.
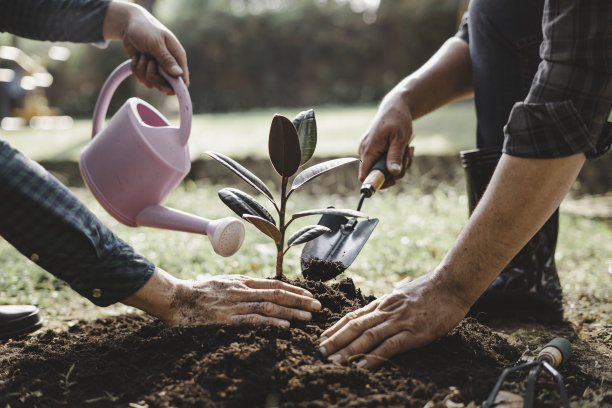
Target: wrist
(463, 290)
(156, 295)
(117, 17)
(399, 96)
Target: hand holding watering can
(133, 163)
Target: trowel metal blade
(341, 244)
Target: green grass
(414, 232)
(242, 134)
(415, 229)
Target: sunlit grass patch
(414, 233)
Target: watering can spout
(225, 234)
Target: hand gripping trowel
(336, 250)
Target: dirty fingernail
(334, 358)
(362, 363)
(322, 350)
(395, 168)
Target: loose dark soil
(134, 361)
(321, 271)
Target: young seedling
(65, 382)
(290, 145)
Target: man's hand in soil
(148, 43)
(411, 315)
(229, 299)
(521, 196)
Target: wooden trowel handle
(376, 178)
(556, 352)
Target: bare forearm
(444, 78)
(121, 14)
(115, 20)
(521, 196)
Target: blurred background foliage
(246, 54)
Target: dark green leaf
(307, 234)
(243, 173)
(317, 170)
(284, 146)
(242, 203)
(331, 211)
(306, 127)
(265, 226)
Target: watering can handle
(123, 71)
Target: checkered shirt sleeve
(48, 224)
(567, 109)
(54, 20)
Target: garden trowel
(346, 237)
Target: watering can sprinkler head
(226, 235)
(133, 164)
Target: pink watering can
(133, 163)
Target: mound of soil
(134, 361)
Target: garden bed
(134, 361)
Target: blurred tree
(256, 53)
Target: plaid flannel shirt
(42, 219)
(54, 20)
(38, 215)
(567, 108)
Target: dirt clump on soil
(135, 361)
(322, 270)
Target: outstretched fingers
(390, 347)
(339, 325)
(281, 297)
(270, 309)
(257, 320)
(369, 341)
(275, 284)
(280, 293)
(272, 302)
(357, 334)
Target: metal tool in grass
(290, 145)
(553, 354)
(334, 251)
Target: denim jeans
(505, 38)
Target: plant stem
(282, 227)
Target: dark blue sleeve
(47, 223)
(54, 20)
